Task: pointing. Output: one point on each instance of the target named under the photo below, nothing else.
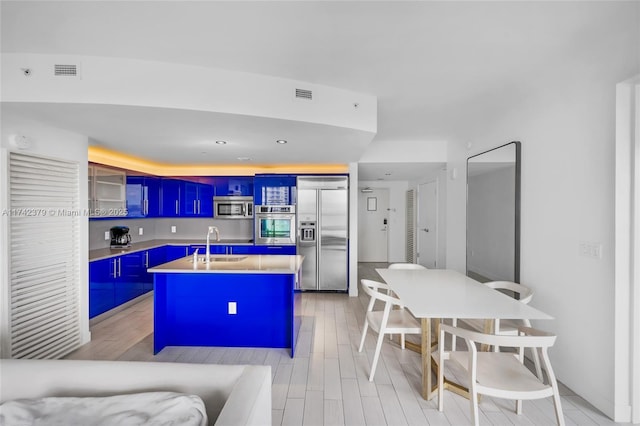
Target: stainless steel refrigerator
(323, 223)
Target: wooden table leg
(429, 366)
(427, 379)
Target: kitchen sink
(221, 258)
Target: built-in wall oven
(275, 225)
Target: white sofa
(232, 394)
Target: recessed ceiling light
(221, 142)
(281, 141)
(387, 174)
(244, 158)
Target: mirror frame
(516, 269)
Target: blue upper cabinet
(274, 190)
(197, 200)
(170, 195)
(143, 196)
(233, 185)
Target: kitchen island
(233, 300)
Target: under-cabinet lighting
(130, 162)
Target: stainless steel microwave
(233, 207)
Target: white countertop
(105, 253)
(233, 264)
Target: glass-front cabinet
(107, 191)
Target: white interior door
(427, 224)
(373, 228)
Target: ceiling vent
(66, 70)
(304, 94)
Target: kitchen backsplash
(160, 229)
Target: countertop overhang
(244, 264)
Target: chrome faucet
(208, 252)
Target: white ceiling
(436, 67)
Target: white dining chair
(386, 321)
(500, 374)
(509, 326)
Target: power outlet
(139, 231)
(233, 308)
(106, 235)
(173, 229)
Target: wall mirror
(493, 214)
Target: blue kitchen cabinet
(233, 185)
(275, 190)
(175, 252)
(289, 250)
(156, 256)
(152, 257)
(101, 287)
(116, 280)
(143, 196)
(170, 197)
(197, 200)
(236, 249)
(131, 273)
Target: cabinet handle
(119, 265)
(115, 273)
(195, 207)
(177, 211)
(199, 211)
(146, 259)
(146, 207)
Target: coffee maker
(120, 237)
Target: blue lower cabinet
(131, 276)
(101, 287)
(117, 280)
(175, 252)
(151, 258)
(289, 250)
(239, 249)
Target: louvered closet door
(44, 256)
(410, 253)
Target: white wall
(567, 126)
(54, 143)
(397, 215)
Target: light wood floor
(326, 383)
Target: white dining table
(444, 293)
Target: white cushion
(149, 408)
